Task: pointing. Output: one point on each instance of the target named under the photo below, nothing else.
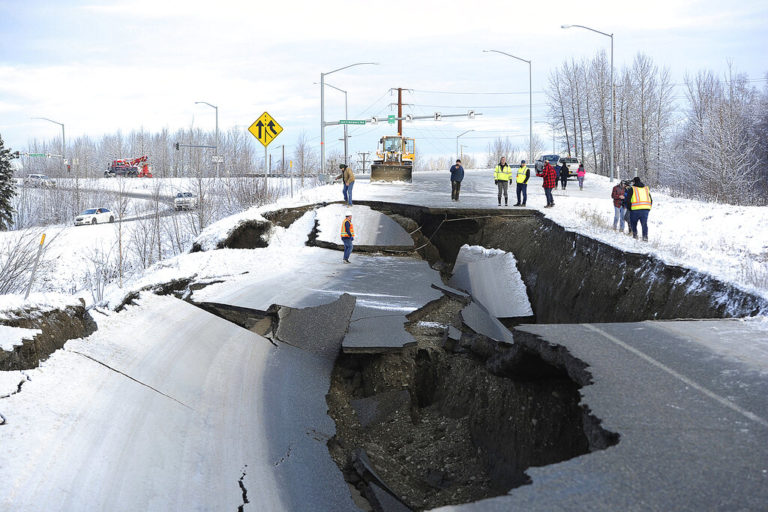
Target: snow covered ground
(215, 401)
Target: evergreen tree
(7, 187)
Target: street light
(215, 151)
(530, 102)
(322, 109)
(613, 129)
(63, 140)
(457, 141)
(346, 116)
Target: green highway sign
(391, 119)
(37, 154)
(352, 121)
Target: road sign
(265, 129)
(217, 159)
(391, 119)
(37, 154)
(352, 121)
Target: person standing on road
(638, 197)
(564, 174)
(349, 181)
(523, 174)
(580, 176)
(457, 174)
(347, 234)
(501, 175)
(617, 194)
(549, 184)
(557, 174)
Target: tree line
(711, 142)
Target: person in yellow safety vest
(523, 173)
(501, 176)
(347, 234)
(639, 199)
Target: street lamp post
(63, 139)
(613, 129)
(346, 116)
(215, 151)
(457, 141)
(530, 101)
(322, 109)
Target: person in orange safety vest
(638, 198)
(347, 234)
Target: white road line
(683, 378)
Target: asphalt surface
(692, 422)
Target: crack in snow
(243, 490)
(284, 457)
(133, 379)
(18, 387)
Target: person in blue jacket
(457, 174)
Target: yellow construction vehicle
(394, 159)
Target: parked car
(185, 201)
(540, 162)
(95, 216)
(573, 164)
(39, 180)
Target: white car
(95, 216)
(573, 164)
(185, 201)
(39, 180)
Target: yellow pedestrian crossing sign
(265, 128)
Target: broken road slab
(686, 414)
(372, 228)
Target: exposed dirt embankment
(58, 326)
(573, 278)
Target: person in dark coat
(549, 184)
(557, 175)
(457, 174)
(564, 173)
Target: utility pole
(363, 155)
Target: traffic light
(438, 116)
(177, 146)
(15, 154)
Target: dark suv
(539, 165)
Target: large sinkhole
(452, 421)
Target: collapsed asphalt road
(435, 403)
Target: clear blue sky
(101, 66)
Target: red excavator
(137, 167)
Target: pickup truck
(541, 161)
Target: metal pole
(216, 151)
(346, 116)
(530, 99)
(216, 147)
(322, 109)
(613, 119)
(530, 112)
(322, 123)
(63, 147)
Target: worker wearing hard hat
(347, 234)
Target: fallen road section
(690, 412)
(167, 407)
